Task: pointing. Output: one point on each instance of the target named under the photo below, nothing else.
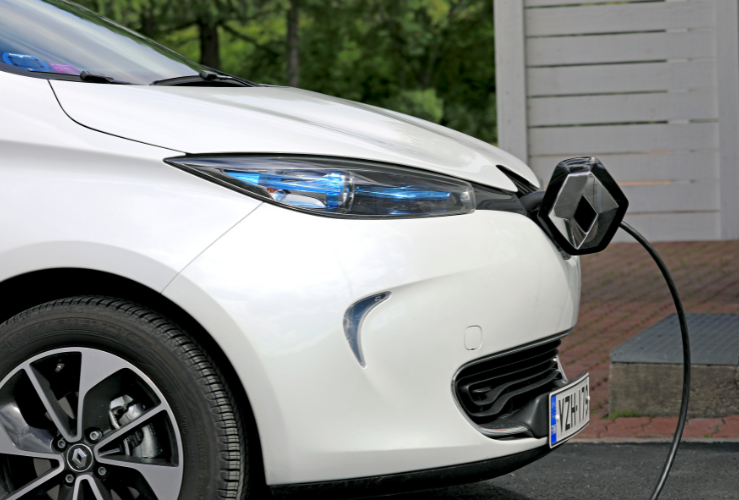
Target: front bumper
(410, 481)
(273, 292)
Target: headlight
(336, 186)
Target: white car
(209, 285)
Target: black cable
(686, 357)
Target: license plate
(569, 408)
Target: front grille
(508, 390)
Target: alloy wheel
(81, 424)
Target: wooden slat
(620, 48)
(623, 108)
(594, 140)
(727, 32)
(599, 79)
(673, 226)
(674, 197)
(511, 83)
(643, 167)
(620, 18)
(552, 3)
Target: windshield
(57, 37)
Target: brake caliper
(141, 443)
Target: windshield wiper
(89, 77)
(204, 78)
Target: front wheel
(104, 399)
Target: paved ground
(623, 293)
(580, 471)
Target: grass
(624, 414)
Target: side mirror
(582, 206)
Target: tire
(128, 362)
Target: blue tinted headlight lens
(299, 188)
(337, 186)
(404, 193)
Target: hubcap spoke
(58, 416)
(25, 441)
(159, 475)
(121, 489)
(98, 489)
(66, 492)
(96, 367)
(118, 433)
(36, 483)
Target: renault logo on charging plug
(582, 207)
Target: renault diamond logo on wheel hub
(80, 457)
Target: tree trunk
(148, 22)
(210, 53)
(293, 52)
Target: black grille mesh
(495, 390)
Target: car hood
(197, 120)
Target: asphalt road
(610, 471)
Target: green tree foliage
(159, 18)
(429, 58)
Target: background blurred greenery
(429, 58)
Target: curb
(636, 440)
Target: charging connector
(581, 210)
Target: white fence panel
(687, 196)
(664, 226)
(622, 139)
(551, 3)
(650, 87)
(620, 18)
(613, 78)
(587, 49)
(623, 108)
(659, 166)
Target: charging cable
(686, 357)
